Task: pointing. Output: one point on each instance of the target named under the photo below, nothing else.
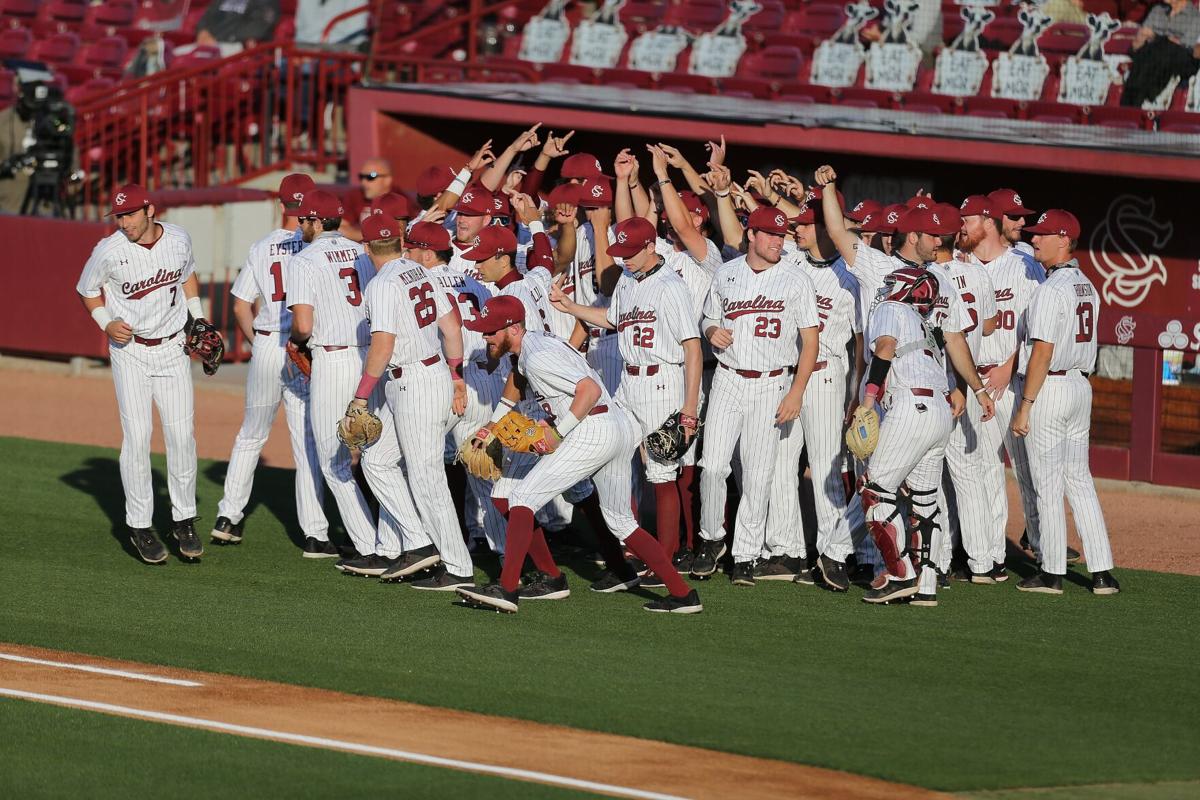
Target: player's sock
(520, 534)
(501, 505)
(456, 480)
(610, 548)
(666, 500)
(644, 546)
(687, 483)
(539, 551)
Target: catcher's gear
(668, 444)
(359, 428)
(863, 434)
(481, 455)
(521, 434)
(301, 356)
(916, 286)
(205, 343)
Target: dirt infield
(408, 732)
(1151, 527)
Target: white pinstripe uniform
(483, 392)
(144, 287)
(603, 354)
(403, 300)
(966, 461)
(273, 378)
(1014, 280)
(653, 315)
(766, 311)
(819, 426)
(1065, 312)
(330, 275)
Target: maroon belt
(919, 392)
(650, 370)
(153, 342)
(753, 373)
(429, 362)
(333, 348)
(264, 333)
(820, 365)
(598, 410)
(984, 369)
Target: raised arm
(844, 239)
(482, 157)
(494, 176)
(607, 272)
(678, 216)
(721, 182)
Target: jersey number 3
(353, 292)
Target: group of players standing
(602, 309)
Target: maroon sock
(687, 502)
(519, 535)
(643, 545)
(539, 551)
(666, 500)
(456, 479)
(610, 548)
(501, 505)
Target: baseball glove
(301, 356)
(482, 462)
(519, 433)
(863, 434)
(206, 344)
(359, 428)
(668, 444)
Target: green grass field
(992, 690)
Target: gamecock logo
(622, 237)
(1125, 328)
(120, 198)
(780, 220)
(1124, 249)
(597, 190)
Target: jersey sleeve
(712, 307)
(383, 306)
(540, 254)
(559, 368)
(987, 291)
(95, 272)
(804, 304)
(678, 316)
(612, 314)
(884, 321)
(245, 287)
(442, 301)
(300, 289)
(189, 266)
(1048, 315)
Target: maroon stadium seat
(775, 63)
(1179, 122)
(756, 88)
(15, 42)
(568, 73)
(1059, 113)
(59, 48)
(624, 78)
(1119, 117)
(19, 12)
(699, 15)
(60, 16)
(990, 107)
(683, 83)
(642, 15)
(798, 92)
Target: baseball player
(652, 312)
(1055, 413)
(273, 378)
(761, 320)
(140, 288)
(594, 276)
(1014, 281)
(587, 435)
(325, 283)
(407, 313)
(1011, 207)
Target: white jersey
(330, 275)
(553, 369)
(1014, 280)
(262, 276)
(697, 275)
(533, 291)
(949, 313)
(916, 365)
(765, 310)
(871, 266)
(403, 300)
(142, 285)
(837, 305)
(1064, 311)
(653, 315)
(975, 288)
(468, 295)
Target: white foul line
(119, 673)
(337, 744)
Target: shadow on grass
(100, 478)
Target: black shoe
(412, 562)
(891, 591)
(443, 581)
(542, 587)
(926, 600)
(491, 596)
(960, 575)
(148, 545)
(999, 572)
(704, 564)
(1104, 583)
(1073, 556)
(778, 568)
(317, 548)
(652, 581)
(943, 580)
(225, 532)
(189, 543)
(743, 574)
(370, 566)
(638, 565)
(346, 557)
(834, 573)
(676, 605)
(1043, 583)
(806, 576)
(682, 560)
(983, 578)
(863, 574)
(610, 582)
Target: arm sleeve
(189, 266)
(557, 372)
(541, 254)
(443, 302)
(298, 280)
(883, 322)
(245, 286)
(95, 273)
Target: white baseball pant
(974, 468)
(650, 399)
(996, 437)
(483, 392)
(604, 356)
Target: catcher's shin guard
(923, 522)
(879, 507)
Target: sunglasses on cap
(308, 219)
(370, 176)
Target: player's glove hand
(359, 428)
(863, 435)
(205, 343)
(301, 357)
(668, 444)
(482, 462)
(521, 434)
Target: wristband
(872, 390)
(365, 386)
(980, 390)
(635, 186)
(1027, 400)
(721, 194)
(456, 368)
(460, 182)
(102, 317)
(195, 307)
(503, 407)
(660, 183)
(536, 227)
(566, 423)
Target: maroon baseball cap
(497, 313)
(920, 220)
(768, 219)
(978, 205)
(129, 197)
(501, 207)
(884, 220)
(376, 227)
(863, 208)
(814, 193)
(564, 193)
(1009, 203)
(919, 201)
(950, 219)
(394, 205)
(806, 216)
(596, 192)
(428, 236)
(434, 180)
(693, 203)
(292, 190)
(1055, 222)
(631, 237)
(475, 201)
(581, 165)
(491, 241)
(321, 204)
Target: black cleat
(610, 582)
(1042, 583)
(925, 600)
(370, 566)
(1104, 583)
(778, 568)
(891, 592)
(806, 576)
(704, 564)
(1073, 556)
(442, 581)
(491, 596)
(742, 575)
(999, 572)
(189, 543)
(960, 575)
(862, 575)
(682, 560)
(318, 548)
(541, 586)
(652, 581)
(690, 604)
(148, 545)
(983, 578)
(834, 573)
(225, 532)
(411, 563)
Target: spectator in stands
(150, 58)
(313, 16)
(374, 180)
(232, 24)
(1166, 46)
(1071, 11)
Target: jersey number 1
(277, 276)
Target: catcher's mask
(912, 285)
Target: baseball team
(929, 339)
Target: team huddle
(504, 353)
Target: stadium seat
(1178, 122)
(568, 73)
(107, 53)
(775, 63)
(1002, 33)
(683, 83)
(1066, 42)
(990, 107)
(929, 103)
(770, 18)
(15, 43)
(109, 17)
(89, 89)
(1119, 117)
(755, 88)
(19, 12)
(699, 15)
(798, 92)
(818, 21)
(864, 98)
(624, 78)
(60, 16)
(1058, 113)
(57, 49)
(642, 15)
